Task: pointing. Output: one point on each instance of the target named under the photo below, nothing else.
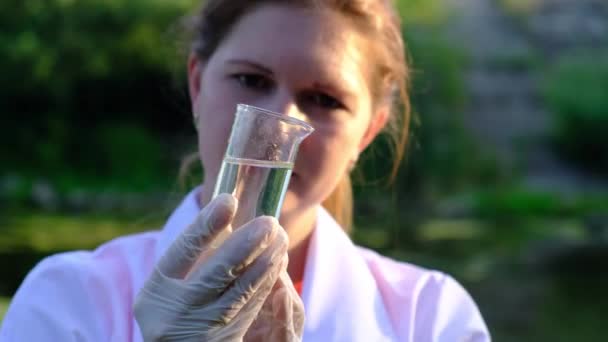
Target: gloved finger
(236, 253)
(283, 312)
(249, 291)
(288, 315)
(295, 308)
(282, 307)
(185, 250)
(263, 324)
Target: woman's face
(304, 63)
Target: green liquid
(259, 186)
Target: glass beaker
(257, 165)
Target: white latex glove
(198, 293)
(282, 315)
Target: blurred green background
(505, 184)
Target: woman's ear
(376, 125)
(194, 79)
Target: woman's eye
(325, 101)
(253, 81)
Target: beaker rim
(279, 116)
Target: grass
(4, 302)
(47, 232)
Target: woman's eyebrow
(332, 89)
(250, 64)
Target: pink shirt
(349, 293)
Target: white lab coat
(349, 293)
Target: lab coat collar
(181, 218)
(340, 295)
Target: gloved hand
(282, 315)
(200, 293)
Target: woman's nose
(285, 103)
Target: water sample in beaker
(257, 165)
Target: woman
(337, 65)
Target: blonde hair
(376, 19)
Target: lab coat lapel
(340, 295)
(182, 217)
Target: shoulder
(116, 264)
(425, 304)
(81, 294)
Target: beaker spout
(262, 135)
